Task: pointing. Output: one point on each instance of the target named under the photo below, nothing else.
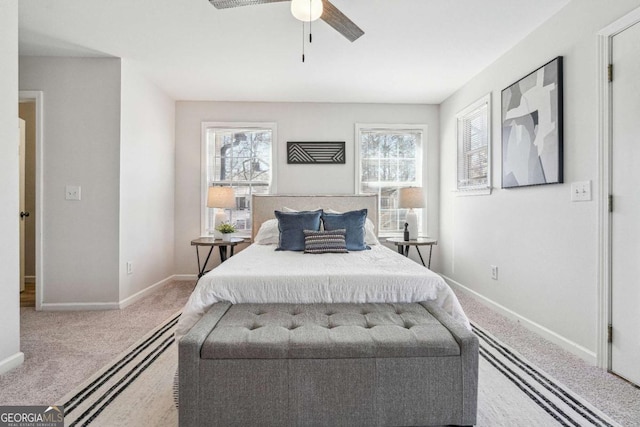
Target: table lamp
(411, 198)
(220, 198)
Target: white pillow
(369, 228)
(268, 234)
(370, 233)
(286, 209)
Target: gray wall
(544, 245)
(81, 144)
(111, 131)
(296, 122)
(147, 179)
(10, 355)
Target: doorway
(619, 202)
(27, 112)
(31, 212)
(625, 226)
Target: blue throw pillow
(353, 222)
(292, 226)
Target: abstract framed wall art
(305, 153)
(532, 128)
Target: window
(239, 155)
(389, 157)
(474, 136)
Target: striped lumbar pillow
(322, 242)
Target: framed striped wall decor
(308, 153)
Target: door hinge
(610, 333)
(610, 203)
(610, 72)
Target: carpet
(136, 389)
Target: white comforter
(259, 274)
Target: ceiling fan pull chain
(302, 41)
(310, 37)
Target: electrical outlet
(494, 272)
(129, 267)
(72, 192)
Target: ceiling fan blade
(331, 15)
(225, 4)
(339, 21)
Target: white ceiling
(413, 51)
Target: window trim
(203, 159)
(420, 173)
(474, 190)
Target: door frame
(22, 124)
(605, 139)
(38, 98)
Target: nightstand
(212, 242)
(403, 246)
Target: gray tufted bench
(327, 365)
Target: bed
(260, 274)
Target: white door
(625, 218)
(22, 198)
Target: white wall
(81, 146)
(10, 355)
(147, 179)
(544, 245)
(296, 122)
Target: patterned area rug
(136, 389)
(513, 391)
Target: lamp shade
(221, 197)
(411, 197)
(306, 10)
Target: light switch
(72, 192)
(581, 191)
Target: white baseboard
(77, 306)
(141, 294)
(11, 362)
(572, 347)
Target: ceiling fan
(330, 14)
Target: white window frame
(421, 162)
(204, 185)
(464, 188)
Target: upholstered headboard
(262, 206)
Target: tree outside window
(239, 157)
(390, 158)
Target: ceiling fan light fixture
(306, 10)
